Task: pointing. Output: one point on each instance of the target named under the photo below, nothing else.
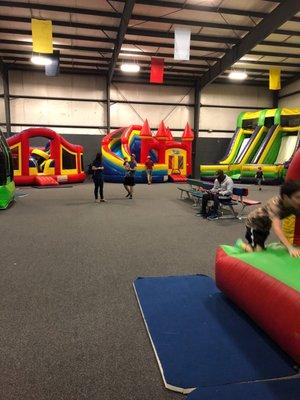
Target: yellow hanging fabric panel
(42, 41)
(275, 79)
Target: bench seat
(249, 202)
(239, 196)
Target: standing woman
(130, 168)
(133, 165)
(97, 169)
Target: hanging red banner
(157, 70)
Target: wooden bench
(239, 197)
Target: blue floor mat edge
(184, 292)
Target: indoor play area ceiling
(96, 36)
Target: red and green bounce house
(266, 285)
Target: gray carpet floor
(70, 326)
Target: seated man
(222, 189)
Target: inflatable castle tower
(177, 155)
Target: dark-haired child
(260, 221)
(259, 176)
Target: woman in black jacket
(97, 169)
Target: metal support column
(275, 98)
(126, 15)
(107, 104)
(5, 80)
(196, 124)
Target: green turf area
(274, 262)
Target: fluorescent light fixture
(132, 49)
(40, 59)
(238, 75)
(135, 55)
(130, 67)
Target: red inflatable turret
(188, 134)
(146, 131)
(147, 141)
(169, 134)
(162, 133)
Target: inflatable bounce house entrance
(57, 162)
(7, 186)
(172, 159)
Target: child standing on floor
(259, 177)
(263, 219)
(149, 164)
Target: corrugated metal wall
(293, 100)
(220, 106)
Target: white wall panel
(64, 85)
(236, 95)
(293, 87)
(219, 118)
(29, 111)
(51, 112)
(174, 117)
(292, 101)
(167, 94)
(66, 131)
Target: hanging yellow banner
(41, 36)
(275, 79)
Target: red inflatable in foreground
(266, 285)
(294, 174)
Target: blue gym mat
(202, 339)
(274, 390)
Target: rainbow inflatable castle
(172, 159)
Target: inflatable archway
(58, 162)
